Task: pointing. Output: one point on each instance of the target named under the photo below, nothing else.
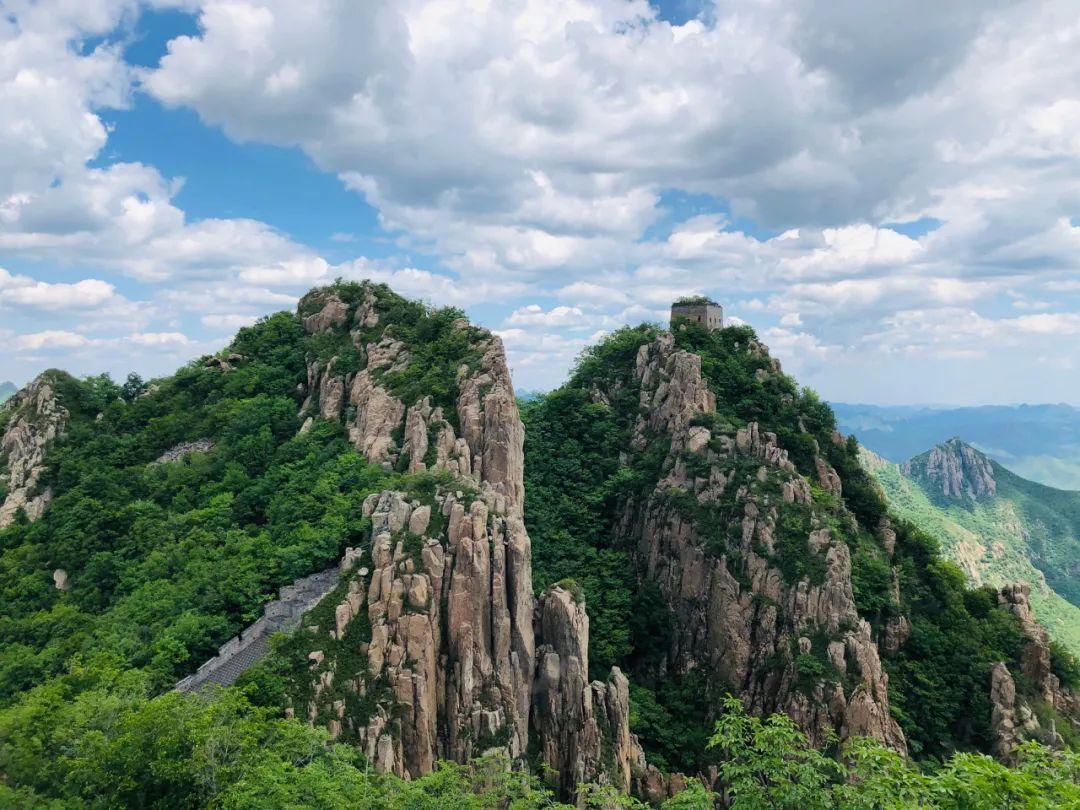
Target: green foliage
(166, 561)
(94, 738)
(572, 484)
(1065, 665)
(770, 763)
(672, 721)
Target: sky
(888, 193)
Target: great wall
(282, 614)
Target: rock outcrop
(1013, 719)
(449, 601)
(448, 668)
(486, 448)
(955, 468)
(31, 420)
(711, 539)
(582, 727)
(183, 450)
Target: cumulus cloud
(859, 178)
(25, 291)
(534, 314)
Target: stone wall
(283, 613)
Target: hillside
(6, 390)
(1038, 442)
(997, 526)
(577, 594)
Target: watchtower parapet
(699, 309)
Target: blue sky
(890, 200)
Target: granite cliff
(738, 614)
(954, 470)
(30, 420)
(454, 657)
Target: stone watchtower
(699, 309)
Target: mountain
(6, 390)
(998, 526)
(333, 564)
(728, 540)
(1038, 442)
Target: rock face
(955, 468)
(583, 728)
(486, 448)
(34, 418)
(1011, 718)
(450, 661)
(448, 669)
(450, 604)
(736, 615)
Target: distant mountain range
(1038, 442)
(7, 389)
(997, 526)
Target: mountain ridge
(998, 526)
(574, 592)
(1039, 442)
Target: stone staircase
(284, 613)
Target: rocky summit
(956, 469)
(343, 542)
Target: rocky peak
(955, 469)
(476, 435)
(31, 420)
(454, 637)
(711, 536)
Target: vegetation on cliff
(579, 469)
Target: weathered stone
(573, 718)
(1003, 712)
(377, 415)
(334, 312)
(37, 419)
(419, 519)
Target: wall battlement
(284, 613)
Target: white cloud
(51, 339)
(535, 315)
(25, 291)
(594, 155)
(158, 339)
(228, 323)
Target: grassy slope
(990, 541)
